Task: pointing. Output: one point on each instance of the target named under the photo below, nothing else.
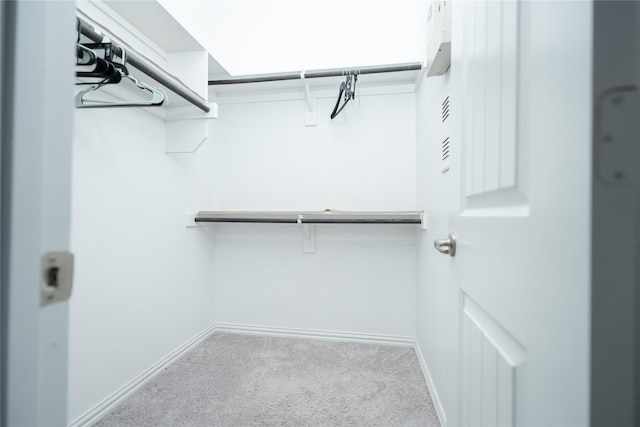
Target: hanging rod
(141, 65)
(325, 217)
(318, 74)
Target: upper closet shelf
(151, 48)
(305, 217)
(169, 82)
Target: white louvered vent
(445, 149)
(445, 109)
(446, 139)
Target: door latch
(56, 277)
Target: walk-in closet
(317, 213)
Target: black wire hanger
(348, 91)
(105, 69)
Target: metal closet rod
(318, 74)
(88, 31)
(312, 220)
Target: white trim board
(100, 410)
(314, 334)
(435, 398)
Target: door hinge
(617, 148)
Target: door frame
(615, 287)
(37, 113)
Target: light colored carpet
(244, 380)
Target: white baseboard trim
(315, 334)
(442, 417)
(94, 415)
(101, 409)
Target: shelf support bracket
(190, 219)
(187, 130)
(311, 114)
(308, 236)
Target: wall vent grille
(445, 149)
(445, 109)
(445, 136)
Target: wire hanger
(104, 69)
(157, 99)
(348, 91)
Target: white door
(522, 258)
(37, 79)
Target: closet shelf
(313, 217)
(163, 54)
(147, 67)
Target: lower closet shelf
(306, 217)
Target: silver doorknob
(446, 246)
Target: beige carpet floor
(245, 380)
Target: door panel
(490, 70)
(508, 95)
(522, 259)
(491, 358)
(492, 91)
(476, 60)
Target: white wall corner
(190, 219)
(191, 67)
(435, 398)
(102, 408)
(420, 77)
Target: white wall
(145, 285)
(437, 194)
(265, 158)
(361, 278)
(436, 296)
(143, 282)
